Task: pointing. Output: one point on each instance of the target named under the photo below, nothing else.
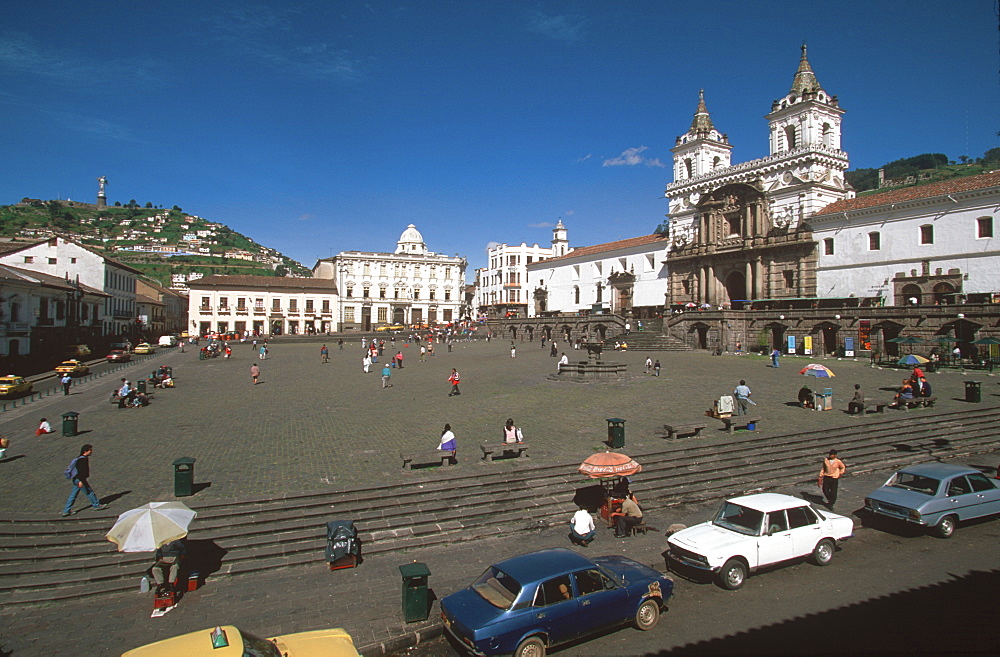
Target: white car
(754, 531)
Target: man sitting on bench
(925, 387)
(168, 565)
(857, 403)
(628, 517)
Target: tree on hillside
(992, 155)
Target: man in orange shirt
(829, 477)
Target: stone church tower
(740, 232)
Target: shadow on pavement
(880, 626)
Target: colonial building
(926, 245)
(409, 286)
(70, 260)
(739, 232)
(264, 305)
(40, 314)
(624, 277)
(502, 287)
(175, 305)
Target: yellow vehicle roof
(230, 641)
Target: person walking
(263, 351)
(742, 394)
(67, 382)
(423, 353)
(857, 403)
(386, 374)
(399, 359)
(366, 362)
(254, 372)
(513, 350)
(324, 354)
(454, 380)
(340, 343)
(656, 367)
(774, 357)
(78, 472)
(829, 477)
(649, 365)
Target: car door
(986, 494)
(776, 543)
(602, 602)
(806, 530)
(960, 499)
(555, 609)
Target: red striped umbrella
(609, 464)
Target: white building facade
(934, 243)
(738, 232)
(70, 260)
(261, 305)
(502, 287)
(624, 277)
(411, 286)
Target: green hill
(156, 241)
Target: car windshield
(254, 646)
(739, 519)
(497, 588)
(916, 483)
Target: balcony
(225, 310)
(205, 310)
(259, 310)
(242, 311)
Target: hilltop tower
(102, 196)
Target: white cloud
(561, 27)
(584, 158)
(630, 157)
(21, 54)
(305, 217)
(542, 224)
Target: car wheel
(530, 647)
(946, 528)
(732, 575)
(647, 615)
(823, 552)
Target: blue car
(936, 496)
(527, 604)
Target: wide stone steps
(42, 561)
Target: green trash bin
(616, 432)
(416, 605)
(70, 424)
(141, 386)
(973, 391)
(184, 476)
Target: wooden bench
(738, 421)
(641, 528)
(684, 430)
(917, 402)
(521, 449)
(445, 458)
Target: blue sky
(317, 127)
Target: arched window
(576, 294)
(689, 167)
(826, 135)
(790, 137)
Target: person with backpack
(454, 380)
(78, 472)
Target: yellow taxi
(144, 348)
(228, 641)
(390, 327)
(12, 386)
(73, 368)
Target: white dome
(411, 241)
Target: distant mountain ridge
(156, 241)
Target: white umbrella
(151, 526)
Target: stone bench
(445, 457)
(738, 421)
(521, 449)
(684, 429)
(917, 402)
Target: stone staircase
(45, 561)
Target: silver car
(936, 496)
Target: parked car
(229, 641)
(167, 341)
(754, 531)
(533, 602)
(118, 356)
(144, 348)
(77, 351)
(72, 367)
(14, 386)
(390, 327)
(936, 496)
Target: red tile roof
(951, 186)
(318, 284)
(607, 246)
